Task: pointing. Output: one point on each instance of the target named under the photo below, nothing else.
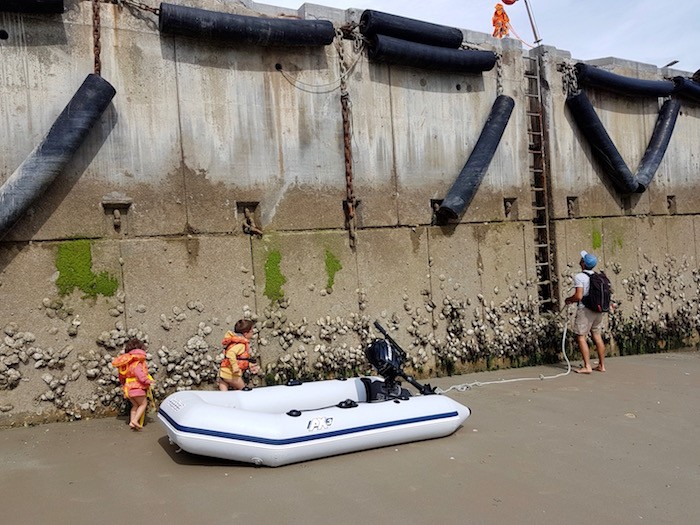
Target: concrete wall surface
(216, 187)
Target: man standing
(587, 321)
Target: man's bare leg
(600, 349)
(585, 354)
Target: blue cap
(589, 260)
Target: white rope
(467, 386)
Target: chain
(249, 226)
(569, 78)
(96, 35)
(347, 140)
(97, 44)
(499, 74)
(359, 40)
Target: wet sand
(618, 447)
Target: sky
(649, 31)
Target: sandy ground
(611, 448)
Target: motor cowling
(386, 358)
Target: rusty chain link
(347, 141)
(249, 226)
(96, 36)
(96, 33)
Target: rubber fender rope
(200, 23)
(392, 50)
(464, 188)
(373, 23)
(607, 154)
(686, 89)
(591, 76)
(32, 6)
(48, 160)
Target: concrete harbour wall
(201, 131)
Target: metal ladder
(544, 254)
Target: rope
(467, 386)
(315, 88)
(137, 5)
(531, 46)
(332, 85)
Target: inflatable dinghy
(278, 425)
(283, 424)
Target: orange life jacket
(127, 364)
(242, 359)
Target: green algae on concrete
(274, 279)
(333, 266)
(74, 264)
(597, 239)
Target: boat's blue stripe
(301, 439)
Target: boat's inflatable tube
(687, 89)
(591, 76)
(278, 425)
(32, 6)
(609, 157)
(468, 180)
(50, 157)
(373, 23)
(392, 50)
(199, 23)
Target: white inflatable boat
(278, 425)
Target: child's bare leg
(236, 383)
(132, 413)
(141, 405)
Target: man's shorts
(587, 321)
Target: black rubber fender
(373, 23)
(609, 157)
(390, 50)
(464, 188)
(200, 23)
(591, 76)
(32, 6)
(658, 144)
(686, 89)
(50, 157)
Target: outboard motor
(388, 358)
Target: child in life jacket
(135, 379)
(237, 356)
